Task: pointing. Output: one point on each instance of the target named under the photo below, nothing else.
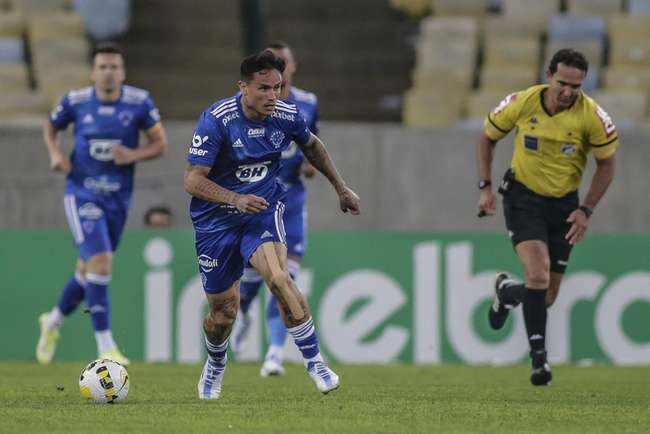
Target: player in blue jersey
(107, 118)
(237, 211)
(293, 167)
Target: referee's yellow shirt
(550, 152)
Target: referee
(557, 126)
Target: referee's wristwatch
(484, 183)
(585, 209)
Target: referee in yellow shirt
(556, 125)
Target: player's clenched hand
(578, 229)
(123, 155)
(250, 203)
(60, 162)
(349, 201)
(487, 203)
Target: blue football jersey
(244, 156)
(98, 126)
(292, 158)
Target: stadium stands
(514, 41)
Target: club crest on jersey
(277, 138)
(255, 132)
(126, 117)
(252, 172)
(207, 264)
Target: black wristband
(483, 183)
(585, 209)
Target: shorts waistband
(571, 195)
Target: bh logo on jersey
(207, 264)
(252, 172)
(197, 142)
(102, 149)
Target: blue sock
(249, 288)
(277, 329)
(97, 300)
(217, 353)
(72, 295)
(306, 340)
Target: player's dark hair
(259, 62)
(277, 45)
(159, 209)
(107, 48)
(569, 57)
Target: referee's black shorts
(530, 216)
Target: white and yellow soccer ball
(104, 381)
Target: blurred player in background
(237, 211)
(107, 118)
(557, 125)
(293, 167)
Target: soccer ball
(104, 381)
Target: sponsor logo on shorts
(101, 185)
(255, 132)
(207, 264)
(90, 211)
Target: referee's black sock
(535, 318)
(513, 294)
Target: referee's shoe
(541, 372)
(498, 313)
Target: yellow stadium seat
(431, 110)
(595, 7)
(622, 106)
(627, 78)
(459, 7)
(592, 49)
(415, 8)
(56, 25)
(18, 104)
(482, 102)
(629, 50)
(508, 51)
(47, 54)
(13, 77)
(507, 80)
(527, 9)
(40, 7)
(513, 27)
(57, 81)
(12, 24)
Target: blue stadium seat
(638, 7)
(105, 19)
(11, 50)
(577, 27)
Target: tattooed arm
(198, 184)
(318, 156)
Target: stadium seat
(446, 43)
(22, 103)
(12, 24)
(104, 19)
(55, 26)
(638, 7)
(627, 78)
(531, 9)
(507, 80)
(592, 49)
(40, 7)
(511, 27)
(415, 8)
(460, 7)
(431, 110)
(508, 51)
(575, 27)
(481, 102)
(595, 7)
(625, 107)
(11, 50)
(60, 80)
(13, 77)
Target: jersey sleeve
(299, 130)
(313, 126)
(503, 118)
(150, 115)
(62, 115)
(206, 142)
(601, 133)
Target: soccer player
(293, 165)
(107, 117)
(237, 211)
(557, 125)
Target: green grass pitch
(372, 399)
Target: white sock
(54, 319)
(275, 352)
(105, 341)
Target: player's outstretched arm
(58, 161)
(318, 156)
(198, 184)
(156, 146)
